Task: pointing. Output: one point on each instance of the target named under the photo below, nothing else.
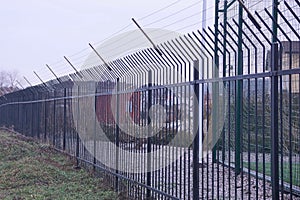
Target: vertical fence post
(224, 69)
(196, 132)
(274, 124)
(215, 75)
(32, 116)
(274, 106)
(77, 135)
(275, 21)
(117, 135)
(65, 118)
(45, 117)
(38, 115)
(54, 119)
(20, 114)
(95, 130)
(5, 114)
(23, 115)
(239, 97)
(149, 133)
(6, 111)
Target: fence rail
(213, 114)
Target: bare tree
(3, 78)
(8, 81)
(12, 79)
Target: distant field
(29, 170)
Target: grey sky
(36, 32)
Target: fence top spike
(40, 79)
(144, 33)
(27, 81)
(102, 59)
(19, 84)
(74, 68)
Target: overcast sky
(36, 32)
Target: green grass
(285, 169)
(29, 170)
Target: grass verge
(285, 171)
(29, 170)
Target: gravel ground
(216, 181)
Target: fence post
(77, 135)
(46, 114)
(65, 118)
(274, 106)
(149, 133)
(274, 124)
(32, 116)
(54, 117)
(239, 96)
(117, 135)
(39, 105)
(95, 130)
(20, 126)
(224, 70)
(215, 71)
(196, 132)
(22, 111)
(6, 114)
(7, 111)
